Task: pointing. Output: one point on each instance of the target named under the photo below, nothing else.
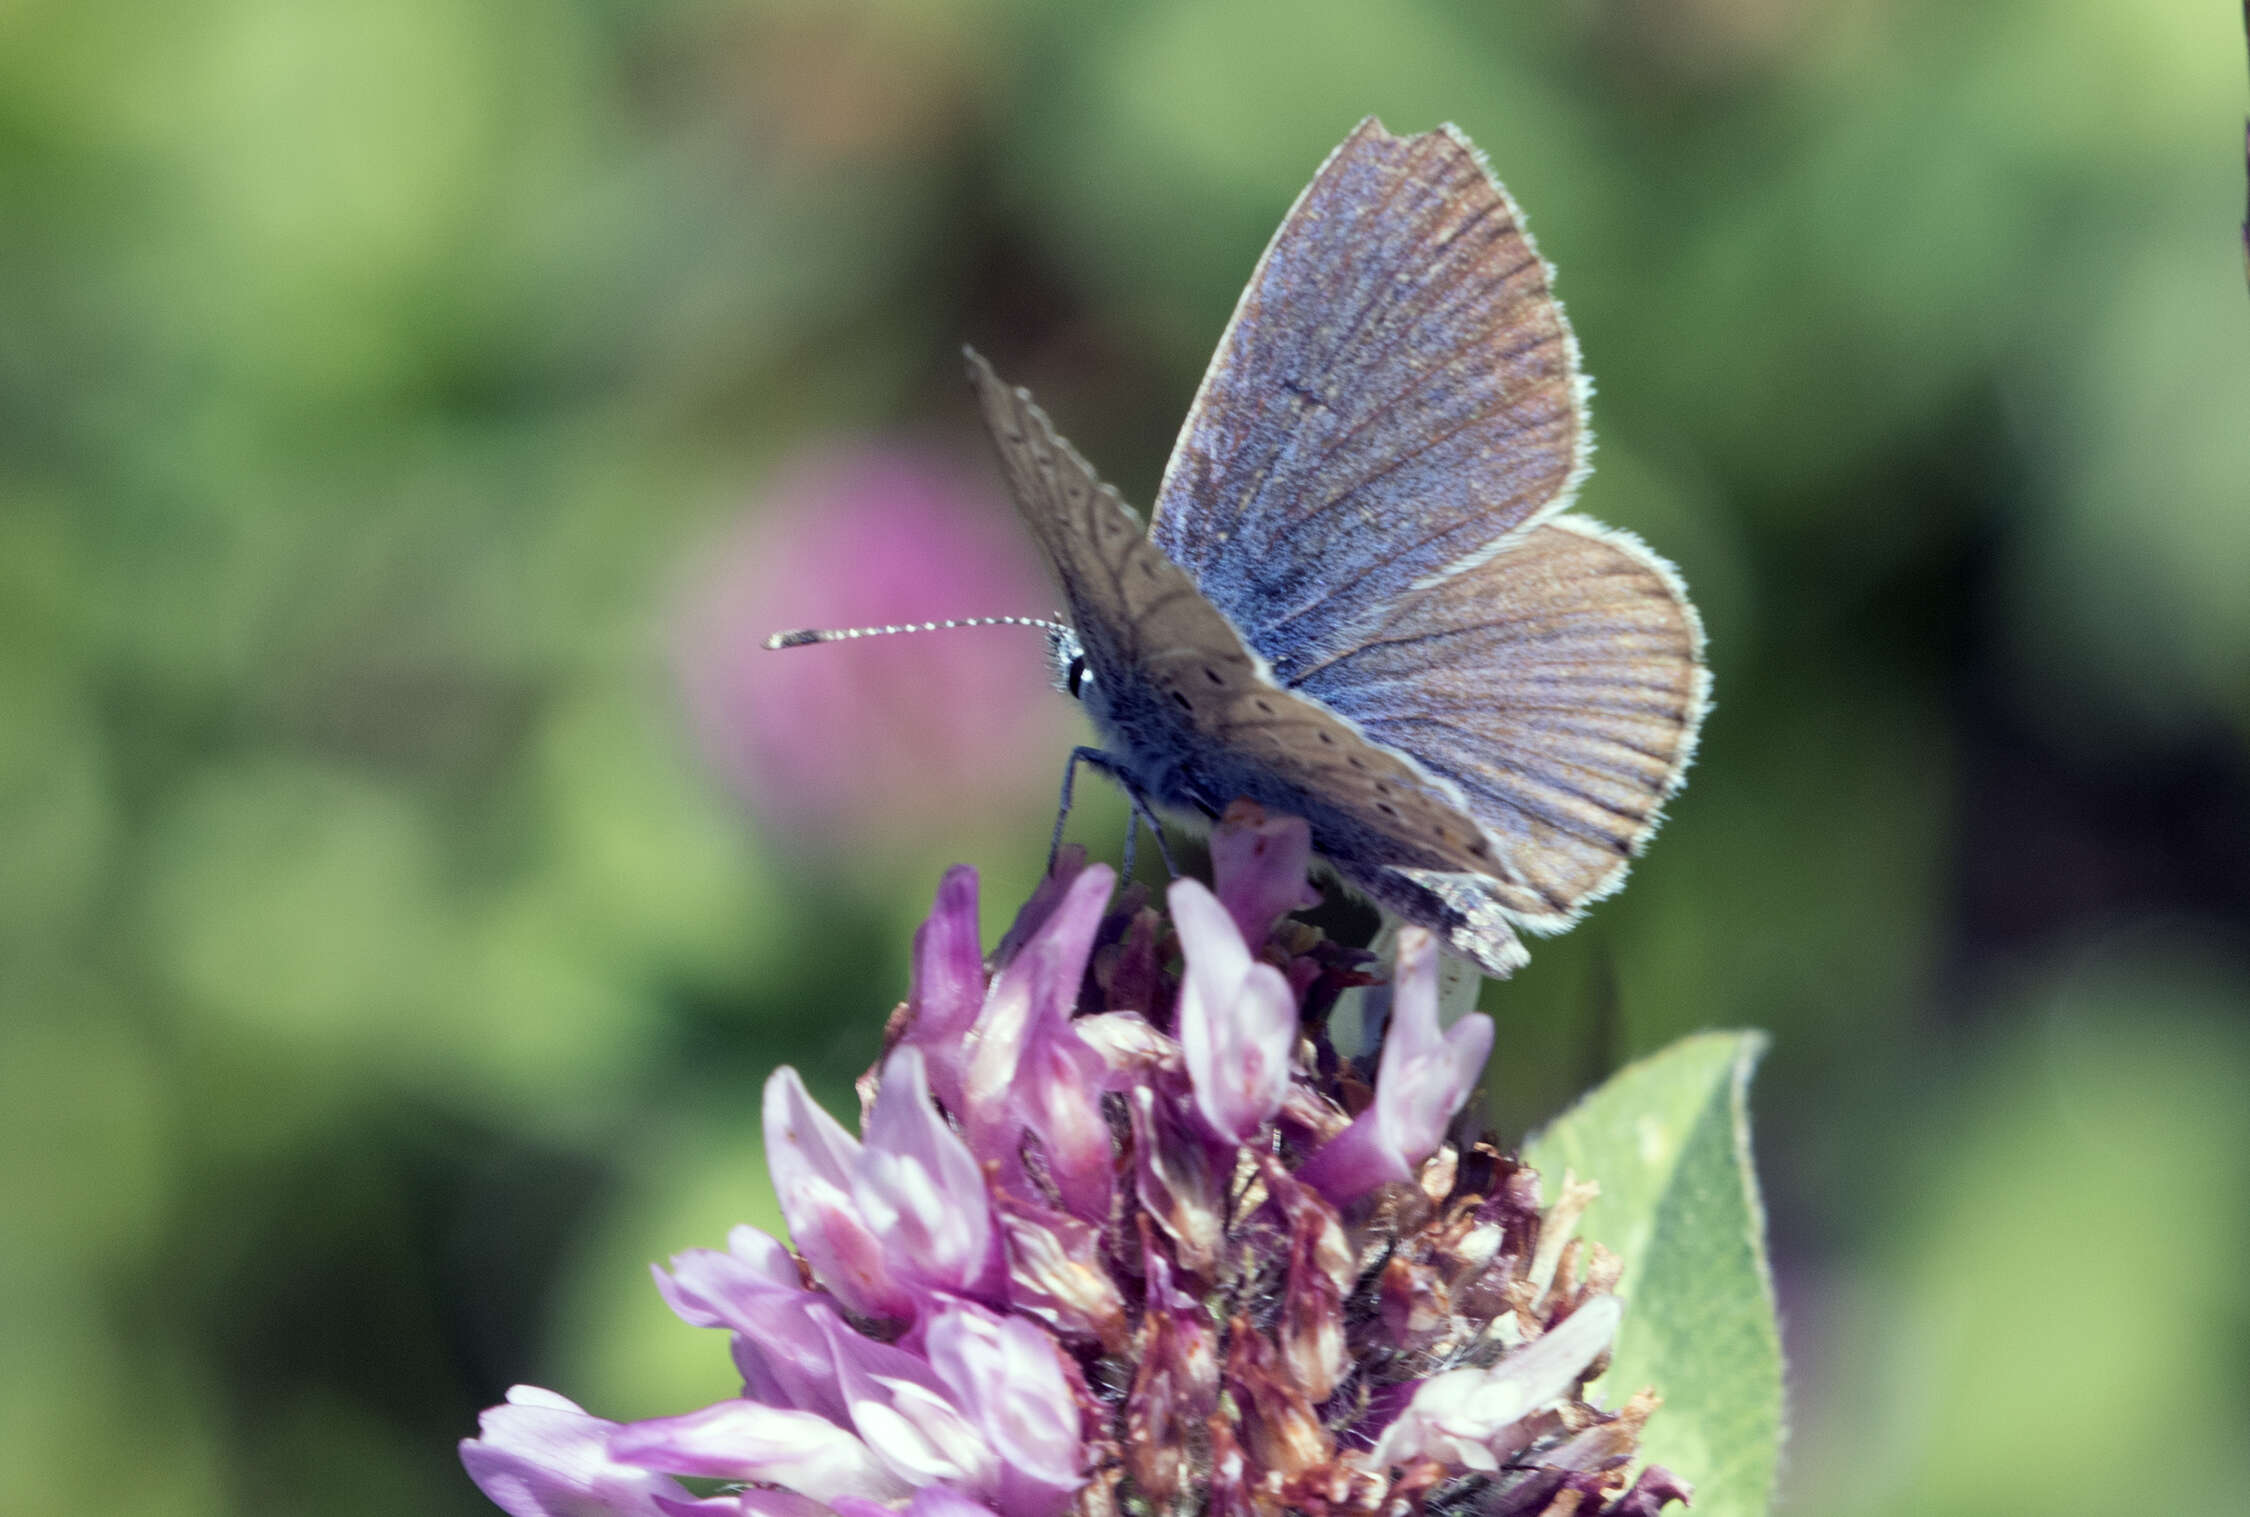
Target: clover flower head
(1123, 1233)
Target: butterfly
(1360, 600)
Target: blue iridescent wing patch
(1396, 391)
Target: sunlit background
(412, 414)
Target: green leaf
(1668, 1140)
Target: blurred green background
(412, 411)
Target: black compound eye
(1077, 676)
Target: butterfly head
(1066, 662)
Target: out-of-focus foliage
(385, 967)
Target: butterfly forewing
(1558, 685)
(1082, 525)
(1178, 680)
(1397, 390)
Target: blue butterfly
(1360, 601)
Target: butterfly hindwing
(1366, 799)
(1397, 389)
(1558, 685)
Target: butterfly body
(1360, 602)
(1153, 741)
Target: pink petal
(1059, 1097)
(1006, 1374)
(1427, 1072)
(1031, 1070)
(1237, 1019)
(1456, 1416)
(708, 1289)
(948, 987)
(781, 1347)
(1425, 1075)
(780, 1342)
(813, 1161)
(1259, 864)
(920, 1189)
(905, 1413)
(540, 1455)
(1070, 863)
(812, 1144)
(744, 1440)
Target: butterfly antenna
(806, 636)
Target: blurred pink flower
(917, 737)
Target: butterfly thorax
(1160, 744)
(1148, 743)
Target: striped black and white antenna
(805, 637)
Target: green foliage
(1668, 1141)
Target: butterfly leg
(1138, 816)
(1147, 816)
(1080, 755)
(1141, 812)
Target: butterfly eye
(1078, 676)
